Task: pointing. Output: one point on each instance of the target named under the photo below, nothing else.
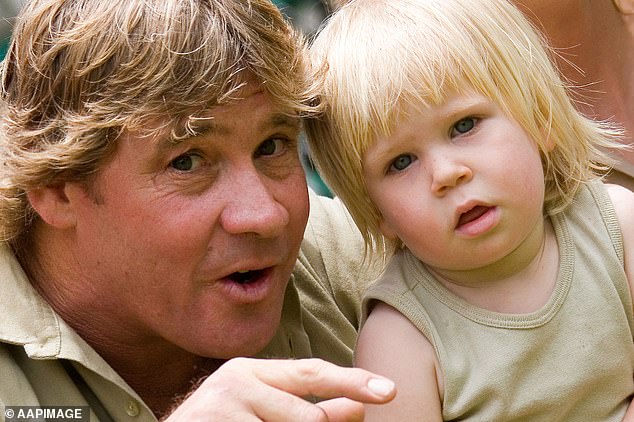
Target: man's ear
(53, 205)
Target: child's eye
(463, 126)
(401, 162)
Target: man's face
(192, 243)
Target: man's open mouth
(245, 277)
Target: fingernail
(381, 387)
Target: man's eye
(401, 162)
(270, 147)
(186, 162)
(464, 125)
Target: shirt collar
(29, 321)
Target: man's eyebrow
(195, 127)
(208, 126)
(200, 126)
(280, 119)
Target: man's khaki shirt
(43, 362)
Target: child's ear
(53, 205)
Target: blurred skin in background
(595, 45)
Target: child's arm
(390, 345)
(629, 415)
(623, 200)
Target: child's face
(460, 184)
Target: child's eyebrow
(461, 105)
(382, 152)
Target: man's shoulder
(332, 258)
(327, 214)
(332, 243)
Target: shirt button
(132, 408)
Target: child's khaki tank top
(572, 360)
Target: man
(153, 207)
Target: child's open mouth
(472, 215)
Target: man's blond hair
(80, 72)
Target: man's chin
(247, 340)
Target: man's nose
(251, 205)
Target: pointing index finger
(316, 377)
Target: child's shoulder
(623, 200)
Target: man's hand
(245, 390)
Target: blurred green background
(8, 9)
(307, 15)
